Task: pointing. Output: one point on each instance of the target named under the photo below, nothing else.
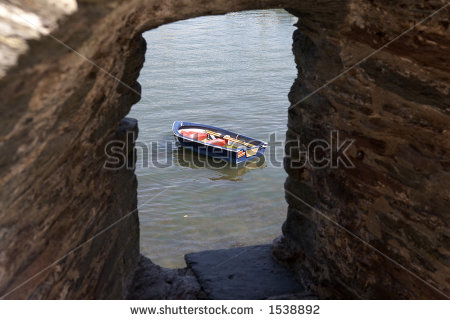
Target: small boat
(217, 143)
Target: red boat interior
(203, 136)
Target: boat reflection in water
(229, 171)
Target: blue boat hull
(231, 155)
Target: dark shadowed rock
(242, 273)
(152, 282)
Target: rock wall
(391, 211)
(59, 110)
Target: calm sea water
(232, 71)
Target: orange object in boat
(194, 135)
(218, 142)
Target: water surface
(232, 71)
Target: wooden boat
(217, 143)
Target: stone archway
(61, 110)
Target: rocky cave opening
(240, 80)
(63, 108)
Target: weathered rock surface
(395, 106)
(151, 282)
(243, 273)
(60, 110)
